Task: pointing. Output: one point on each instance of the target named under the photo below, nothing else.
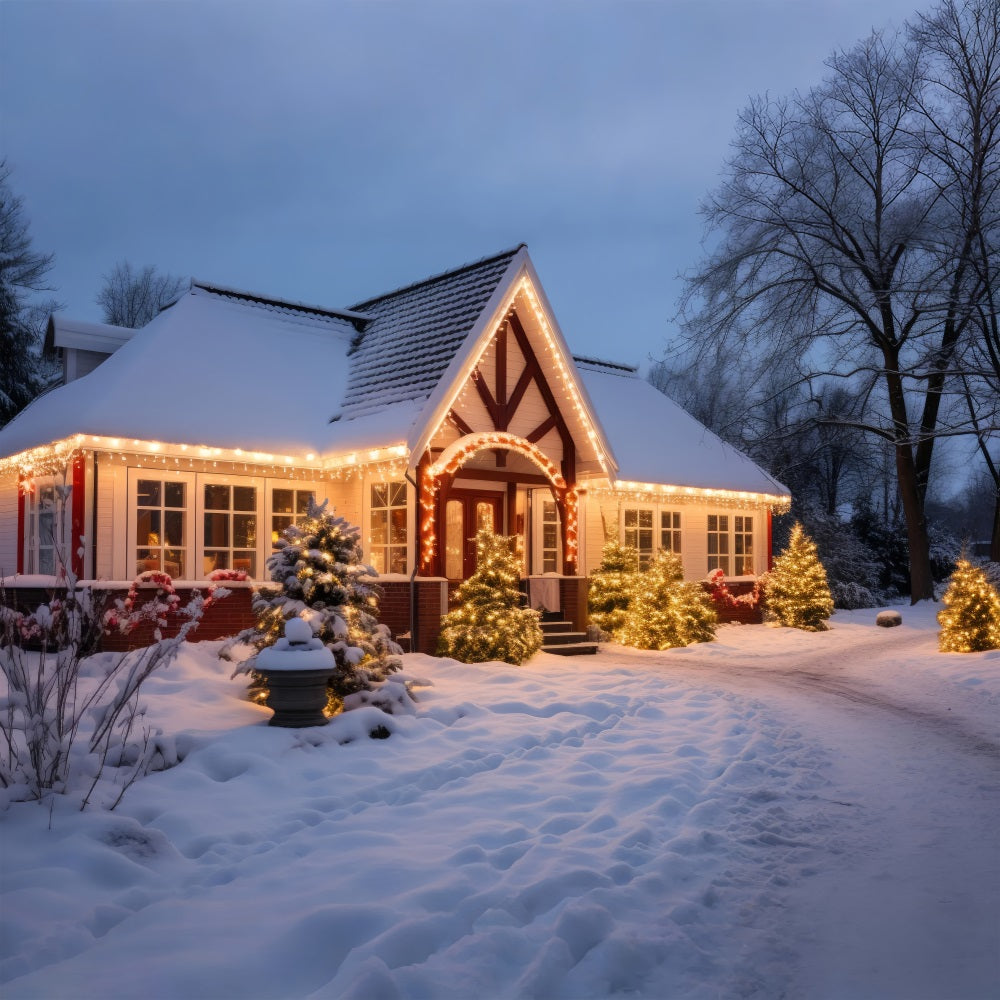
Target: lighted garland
(653, 492)
(387, 462)
(455, 456)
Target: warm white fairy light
(389, 461)
(628, 490)
(455, 456)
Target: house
(421, 415)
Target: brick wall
(573, 598)
(742, 612)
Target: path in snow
(915, 904)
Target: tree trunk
(910, 493)
(995, 538)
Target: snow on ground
(773, 814)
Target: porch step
(571, 649)
(563, 638)
(563, 641)
(550, 627)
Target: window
(387, 548)
(718, 542)
(161, 526)
(45, 527)
(670, 531)
(743, 545)
(730, 544)
(638, 532)
(288, 507)
(230, 528)
(550, 537)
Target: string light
(387, 461)
(646, 492)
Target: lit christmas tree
(665, 611)
(322, 579)
(489, 622)
(970, 621)
(611, 586)
(796, 591)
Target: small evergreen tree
(611, 586)
(489, 622)
(665, 611)
(323, 580)
(796, 590)
(970, 621)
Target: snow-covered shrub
(665, 611)
(71, 722)
(850, 596)
(489, 622)
(320, 576)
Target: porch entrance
(466, 512)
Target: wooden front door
(466, 512)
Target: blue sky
(326, 152)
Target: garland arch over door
(436, 477)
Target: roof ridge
(618, 366)
(451, 273)
(269, 300)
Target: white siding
(8, 525)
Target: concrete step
(556, 626)
(564, 638)
(572, 649)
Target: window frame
(735, 540)
(135, 473)
(33, 546)
(388, 547)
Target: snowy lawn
(772, 814)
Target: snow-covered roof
(101, 337)
(237, 370)
(656, 441)
(415, 332)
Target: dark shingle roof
(414, 332)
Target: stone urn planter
(296, 669)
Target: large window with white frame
(387, 545)
(45, 528)
(638, 533)
(289, 505)
(229, 527)
(730, 544)
(162, 524)
(670, 531)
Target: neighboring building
(420, 415)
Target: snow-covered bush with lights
(665, 611)
(611, 586)
(796, 590)
(489, 622)
(318, 567)
(970, 621)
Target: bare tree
(131, 297)
(961, 107)
(22, 272)
(841, 253)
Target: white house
(420, 415)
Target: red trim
(770, 549)
(22, 512)
(76, 528)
